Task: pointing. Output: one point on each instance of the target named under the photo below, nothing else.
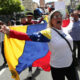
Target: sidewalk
(37, 75)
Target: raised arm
(38, 37)
(4, 29)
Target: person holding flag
(29, 17)
(61, 61)
(29, 21)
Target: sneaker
(39, 68)
(30, 74)
(3, 66)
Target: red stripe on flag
(44, 62)
(65, 22)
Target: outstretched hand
(4, 29)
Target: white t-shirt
(61, 55)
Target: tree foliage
(10, 6)
(78, 7)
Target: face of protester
(56, 20)
(23, 20)
(67, 16)
(29, 18)
(76, 17)
(1, 23)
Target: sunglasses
(57, 16)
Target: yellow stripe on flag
(46, 18)
(46, 33)
(13, 49)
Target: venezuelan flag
(65, 23)
(21, 54)
(46, 18)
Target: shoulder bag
(75, 60)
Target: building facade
(74, 3)
(42, 3)
(28, 4)
(35, 5)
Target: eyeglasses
(57, 16)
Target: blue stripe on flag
(32, 50)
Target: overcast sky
(67, 1)
(45, 1)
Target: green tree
(10, 6)
(78, 7)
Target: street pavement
(37, 73)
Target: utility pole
(71, 4)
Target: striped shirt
(75, 31)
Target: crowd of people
(60, 43)
(26, 20)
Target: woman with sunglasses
(61, 54)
